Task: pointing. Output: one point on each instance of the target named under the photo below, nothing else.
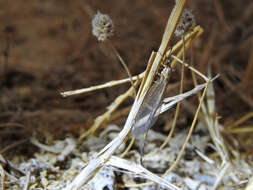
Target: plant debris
(204, 142)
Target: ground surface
(47, 47)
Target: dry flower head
(102, 26)
(186, 23)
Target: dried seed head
(102, 26)
(186, 23)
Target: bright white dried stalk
(171, 101)
(2, 178)
(250, 184)
(102, 26)
(28, 176)
(214, 129)
(138, 169)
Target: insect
(149, 110)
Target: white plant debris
(53, 168)
(104, 179)
(45, 170)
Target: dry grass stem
(214, 128)
(243, 129)
(190, 131)
(102, 86)
(128, 148)
(179, 103)
(2, 178)
(204, 157)
(247, 79)
(197, 31)
(241, 120)
(171, 101)
(190, 67)
(89, 171)
(124, 65)
(250, 184)
(26, 185)
(137, 169)
(177, 108)
(188, 42)
(106, 116)
(169, 30)
(181, 53)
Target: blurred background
(47, 47)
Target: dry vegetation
(50, 142)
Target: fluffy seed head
(102, 26)
(186, 23)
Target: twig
(196, 33)
(223, 169)
(139, 170)
(90, 170)
(101, 86)
(2, 178)
(181, 53)
(28, 175)
(241, 120)
(128, 148)
(189, 133)
(190, 67)
(123, 64)
(102, 118)
(179, 103)
(243, 129)
(169, 30)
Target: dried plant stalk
(169, 30)
(190, 131)
(105, 117)
(128, 148)
(124, 65)
(139, 170)
(250, 184)
(192, 36)
(102, 86)
(190, 39)
(197, 31)
(2, 174)
(241, 120)
(90, 170)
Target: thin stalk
(128, 148)
(189, 133)
(179, 103)
(123, 64)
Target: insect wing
(146, 116)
